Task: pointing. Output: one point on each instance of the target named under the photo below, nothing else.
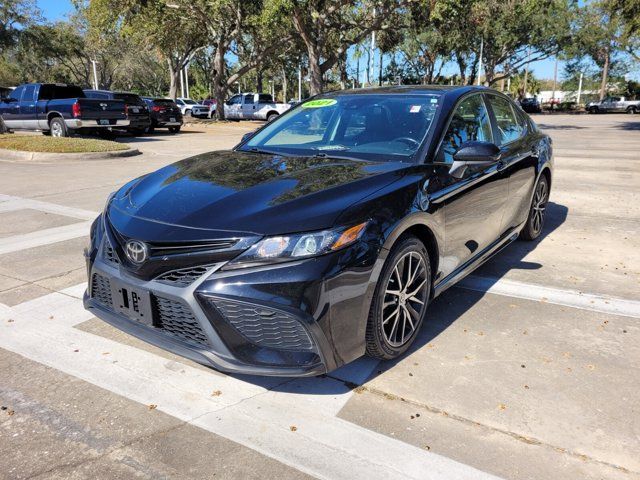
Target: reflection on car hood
(250, 192)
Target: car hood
(242, 192)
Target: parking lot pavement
(529, 369)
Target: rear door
(248, 108)
(474, 203)
(27, 117)
(519, 158)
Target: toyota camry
(325, 234)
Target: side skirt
(476, 261)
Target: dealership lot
(529, 369)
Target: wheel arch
(51, 115)
(419, 226)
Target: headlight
(295, 246)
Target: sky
(57, 10)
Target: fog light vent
(264, 326)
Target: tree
(327, 28)
(598, 35)
(155, 25)
(15, 15)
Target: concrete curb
(40, 156)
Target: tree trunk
(605, 75)
(462, 66)
(315, 73)
(174, 74)
(284, 86)
(259, 80)
(219, 84)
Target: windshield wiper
(264, 152)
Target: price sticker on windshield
(323, 102)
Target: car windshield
(188, 101)
(375, 127)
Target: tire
(272, 116)
(593, 110)
(389, 310)
(58, 128)
(174, 129)
(537, 211)
(187, 113)
(632, 110)
(150, 129)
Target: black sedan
(324, 235)
(165, 113)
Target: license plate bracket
(132, 302)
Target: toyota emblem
(104, 106)
(136, 251)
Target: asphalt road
(530, 369)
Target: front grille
(101, 290)
(176, 319)
(109, 254)
(183, 277)
(162, 249)
(265, 327)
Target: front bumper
(298, 319)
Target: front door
(232, 107)
(474, 203)
(11, 109)
(519, 156)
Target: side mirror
(247, 136)
(474, 153)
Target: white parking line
(257, 413)
(17, 203)
(567, 298)
(48, 236)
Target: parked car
(614, 104)
(60, 110)
(211, 103)
(134, 107)
(164, 114)
(325, 234)
(253, 106)
(190, 107)
(531, 105)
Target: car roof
(109, 91)
(449, 90)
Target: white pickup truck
(614, 104)
(253, 106)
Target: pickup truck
(59, 110)
(134, 107)
(253, 106)
(614, 104)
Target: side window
(29, 92)
(510, 127)
(248, 99)
(17, 93)
(235, 100)
(265, 98)
(470, 122)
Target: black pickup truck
(60, 110)
(135, 108)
